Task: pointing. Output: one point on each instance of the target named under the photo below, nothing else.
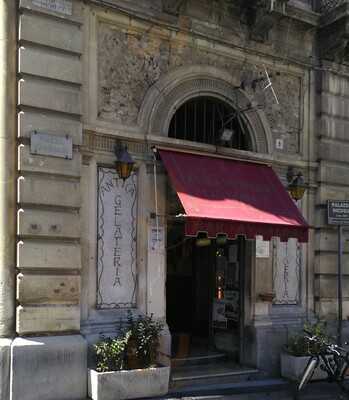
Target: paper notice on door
(262, 247)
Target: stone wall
(48, 194)
(49, 100)
(333, 83)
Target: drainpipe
(8, 91)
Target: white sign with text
(117, 229)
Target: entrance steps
(208, 370)
(247, 388)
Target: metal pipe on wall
(8, 93)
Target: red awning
(233, 197)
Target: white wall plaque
(60, 6)
(117, 226)
(46, 144)
(262, 247)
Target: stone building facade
(80, 76)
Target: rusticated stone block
(49, 95)
(57, 125)
(47, 319)
(328, 309)
(48, 289)
(53, 33)
(333, 173)
(50, 191)
(49, 64)
(48, 223)
(327, 240)
(49, 368)
(326, 287)
(330, 192)
(49, 165)
(40, 254)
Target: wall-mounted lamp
(124, 162)
(296, 185)
(202, 240)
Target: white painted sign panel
(60, 6)
(262, 247)
(287, 272)
(117, 229)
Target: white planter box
(128, 384)
(292, 367)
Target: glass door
(227, 302)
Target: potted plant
(126, 366)
(298, 349)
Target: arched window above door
(209, 120)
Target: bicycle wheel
(308, 372)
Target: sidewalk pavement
(313, 391)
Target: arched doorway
(204, 285)
(172, 95)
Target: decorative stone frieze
(94, 141)
(137, 69)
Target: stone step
(216, 391)
(214, 373)
(198, 360)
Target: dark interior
(203, 119)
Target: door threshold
(208, 357)
(188, 374)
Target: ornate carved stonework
(261, 15)
(334, 34)
(172, 6)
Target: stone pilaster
(49, 99)
(8, 15)
(333, 178)
(49, 200)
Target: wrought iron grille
(203, 119)
(328, 5)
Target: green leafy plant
(299, 345)
(144, 339)
(111, 353)
(135, 347)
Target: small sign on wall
(45, 144)
(156, 238)
(60, 6)
(338, 212)
(262, 247)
